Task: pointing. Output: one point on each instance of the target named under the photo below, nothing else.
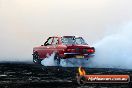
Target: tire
(57, 59)
(36, 58)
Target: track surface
(29, 75)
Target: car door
(55, 44)
(57, 47)
(46, 50)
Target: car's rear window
(68, 40)
(80, 41)
(71, 40)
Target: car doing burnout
(65, 47)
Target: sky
(28, 23)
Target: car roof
(55, 36)
(64, 36)
(68, 36)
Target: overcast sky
(27, 23)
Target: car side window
(55, 41)
(49, 41)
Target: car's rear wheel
(57, 59)
(36, 58)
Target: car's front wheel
(36, 59)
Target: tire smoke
(114, 51)
(71, 62)
(49, 61)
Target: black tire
(57, 59)
(36, 58)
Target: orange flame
(81, 71)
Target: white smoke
(49, 61)
(114, 51)
(71, 62)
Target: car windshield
(78, 40)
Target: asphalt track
(29, 75)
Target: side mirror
(42, 45)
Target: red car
(64, 47)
